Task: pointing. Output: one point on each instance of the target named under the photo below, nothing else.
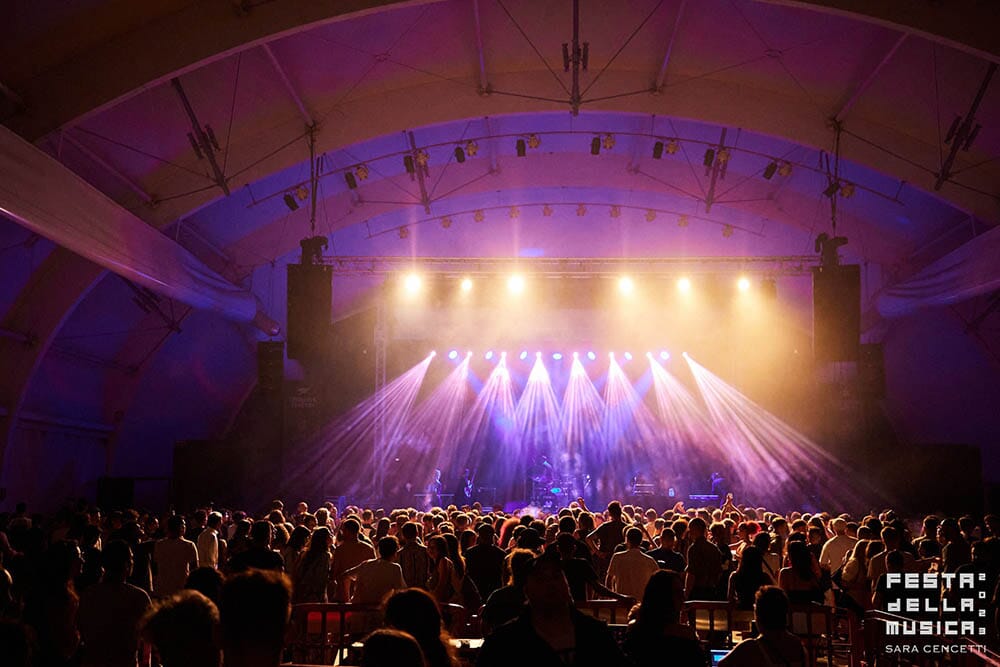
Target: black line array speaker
(836, 313)
(270, 365)
(310, 294)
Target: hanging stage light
(290, 202)
(352, 182)
(522, 148)
(658, 150)
(595, 146)
(770, 170)
(459, 154)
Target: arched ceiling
(91, 82)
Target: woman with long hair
(801, 579)
(748, 578)
(292, 553)
(466, 593)
(655, 630)
(312, 577)
(414, 612)
(854, 576)
(442, 579)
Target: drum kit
(551, 490)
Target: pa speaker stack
(836, 313)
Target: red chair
(322, 632)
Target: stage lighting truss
(462, 271)
(498, 356)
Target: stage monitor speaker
(836, 313)
(871, 371)
(115, 493)
(270, 366)
(310, 293)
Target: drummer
(542, 472)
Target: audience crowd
(82, 587)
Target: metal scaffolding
(785, 265)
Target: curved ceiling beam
(717, 102)
(163, 47)
(167, 45)
(966, 25)
(45, 303)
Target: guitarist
(464, 496)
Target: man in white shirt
(837, 547)
(174, 558)
(630, 570)
(378, 577)
(208, 542)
